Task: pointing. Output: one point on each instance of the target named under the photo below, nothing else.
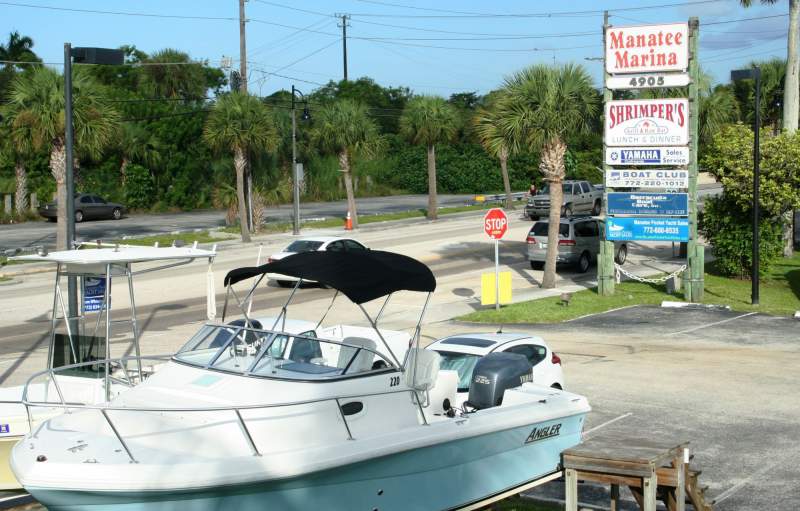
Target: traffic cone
(348, 222)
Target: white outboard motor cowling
(493, 375)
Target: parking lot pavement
(727, 382)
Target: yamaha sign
(650, 122)
(647, 156)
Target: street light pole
(756, 190)
(295, 177)
(295, 169)
(69, 182)
(754, 74)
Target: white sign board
(660, 178)
(621, 156)
(647, 81)
(647, 48)
(647, 122)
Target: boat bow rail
(236, 410)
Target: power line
(745, 19)
(438, 31)
(429, 9)
(306, 56)
(120, 13)
(458, 14)
(307, 11)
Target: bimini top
(361, 276)
(121, 255)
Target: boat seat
(225, 334)
(363, 361)
(443, 395)
(423, 378)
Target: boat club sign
(661, 178)
(647, 48)
(647, 122)
(647, 155)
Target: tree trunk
(58, 167)
(344, 165)
(506, 181)
(552, 166)
(791, 87)
(240, 163)
(788, 233)
(433, 212)
(21, 197)
(123, 170)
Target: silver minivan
(578, 243)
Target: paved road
(44, 233)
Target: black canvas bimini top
(361, 276)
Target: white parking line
(711, 324)
(738, 486)
(607, 423)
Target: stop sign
(495, 223)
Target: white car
(317, 243)
(460, 353)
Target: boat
(85, 336)
(230, 422)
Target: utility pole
(243, 90)
(343, 25)
(242, 48)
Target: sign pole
(693, 276)
(605, 258)
(497, 274)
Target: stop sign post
(495, 225)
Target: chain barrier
(660, 280)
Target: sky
(438, 47)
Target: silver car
(578, 243)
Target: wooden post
(605, 258)
(693, 276)
(7, 204)
(649, 487)
(680, 485)
(571, 498)
(614, 498)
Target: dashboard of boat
(281, 355)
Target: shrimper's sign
(647, 122)
(648, 48)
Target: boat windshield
(462, 363)
(282, 355)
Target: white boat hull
(437, 477)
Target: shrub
(729, 229)
(139, 188)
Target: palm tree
(429, 120)
(542, 106)
(791, 85)
(10, 154)
(344, 128)
(17, 49)
(240, 123)
(136, 143)
(487, 127)
(36, 109)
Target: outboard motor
(495, 373)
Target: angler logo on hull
(543, 433)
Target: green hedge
(729, 229)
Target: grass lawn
(273, 227)
(779, 295)
(166, 240)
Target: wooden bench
(652, 469)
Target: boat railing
(106, 407)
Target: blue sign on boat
(94, 290)
(647, 229)
(669, 204)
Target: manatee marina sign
(650, 145)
